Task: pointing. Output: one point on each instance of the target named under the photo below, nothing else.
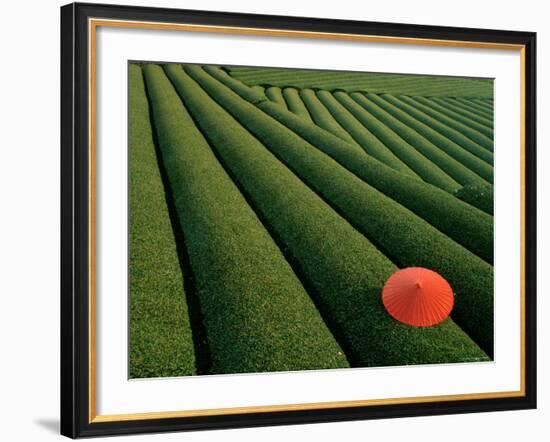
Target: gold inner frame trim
(93, 24)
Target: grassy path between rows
(256, 312)
(340, 267)
(161, 341)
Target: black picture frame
(75, 219)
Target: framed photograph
(275, 220)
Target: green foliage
(343, 270)
(463, 223)
(436, 154)
(424, 105)
(468, 160)
(477, 108)
(275, 94)
(256, 313)
(371, 144)
(466, 111)
(456, 116)
(445, 130)
(364, 81)
(322, 117)
(479, 196)
(160, 335)
(258, 89)
(421, 165)
(405, 238)
(294, 221)
(295, 103)
(483, 104)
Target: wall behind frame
(29, 221)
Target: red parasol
(418, 296)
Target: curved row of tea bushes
(445, 130)
(424, 105)
(235, 261)
(488, 132)
(476, 108)
(295, 103)
(364, 81)
(460, 221)
(488, 106)
(464, 157)
(248, 93)
(322, 117)
(435, 154)
(345, 81)
(359, 79)
(350, 84)
(275, 94)
(421, 165)
(402, 236)
(468, 111)
(259, 89)
(481, 197)
(344, 271)
(472, 119)
(371, 144)
(300, 75)
(161, 341)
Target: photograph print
(287, 219)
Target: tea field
(268, 207)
